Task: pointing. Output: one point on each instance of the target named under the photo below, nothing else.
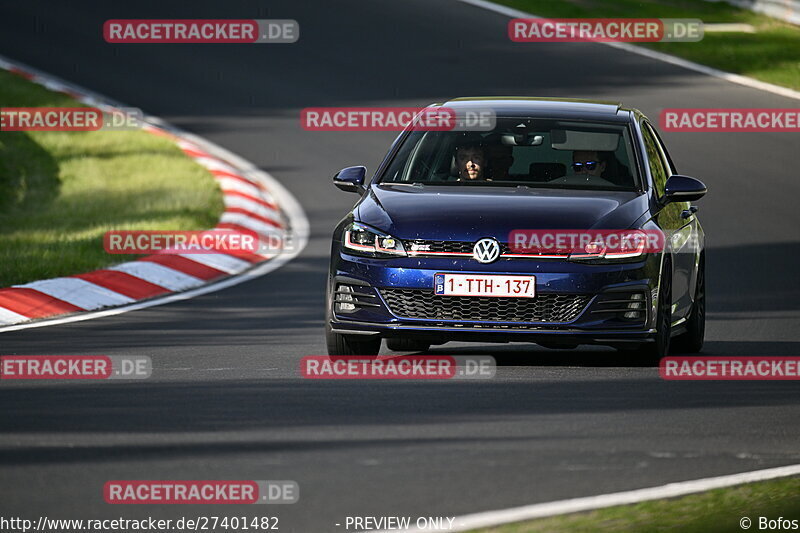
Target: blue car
(449, 240)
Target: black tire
(339, 344)
(692, 340)
(652, 352)
(407, 345)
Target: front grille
(420, 303)
(450, 247)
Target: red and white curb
(254, 201)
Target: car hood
(463, 213)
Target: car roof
(566, 108)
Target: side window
(664, 152)
(657, 168)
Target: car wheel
(407, 345)
(339, 344)
(692, 340)
(652, 352)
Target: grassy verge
(715, 511)
(772, 54)
(61, 191)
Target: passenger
(587, 163)
(470, 162)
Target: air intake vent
(418, 303)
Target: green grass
(715, 511)
(61, 191)
(772, 54)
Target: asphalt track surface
(225, 402)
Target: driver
(470, 162)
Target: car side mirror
(351, 179)
(683, 189)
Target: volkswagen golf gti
(438, 246)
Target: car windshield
(520, 151)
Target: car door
(676, 220)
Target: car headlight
(363, 240)
(628, 245)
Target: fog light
(342, 298)
(635, 305)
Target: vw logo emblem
(486, 250)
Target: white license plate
(485, 285)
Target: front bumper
(600, 288)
